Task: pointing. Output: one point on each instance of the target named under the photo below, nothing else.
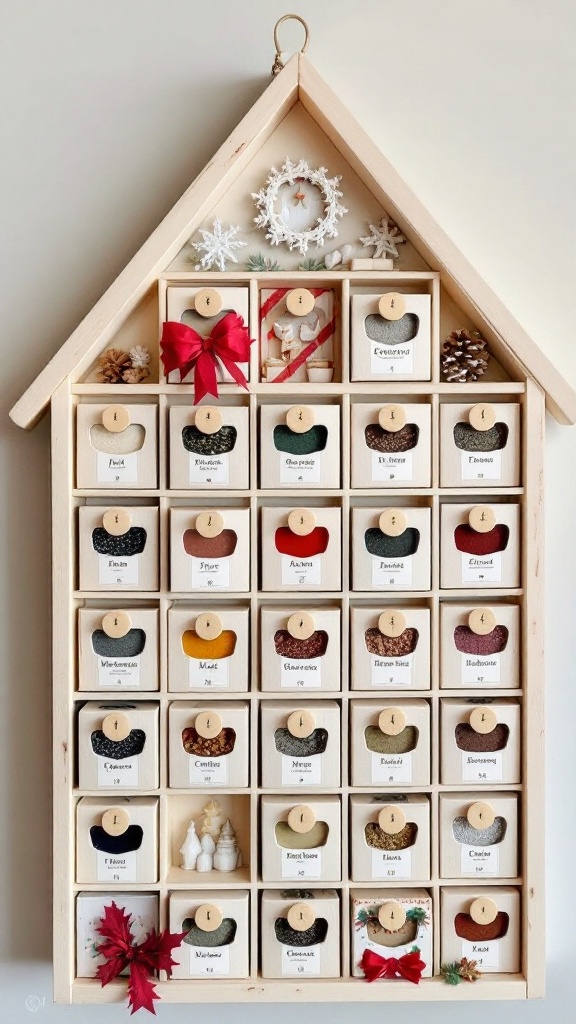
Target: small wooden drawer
(390, 838)
(300, 446)
(181, 307)
(217, 940)
(291, 561)
(478, 559)
(472, 457)
(384, 562)
(312, 338)
(390, 349)
(118, 745)
(308, 852)
(390, 742)
(411, 908)
(478, 835)
(480, 741)
(300, 933)
(300, 648)
(300, 745)
(215, 563)
(110, 560)
(390, 662)
(208, 744)
(494, 945)
(116, 446)
(204, 457)
(141, 908)
(109, 661)
(391, 445)
(208, 648)
(117, 840)
(487, 658)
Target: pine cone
(468, 970)
(464, 357)
(112, 365)
(135, 374)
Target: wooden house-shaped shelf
(298, 116)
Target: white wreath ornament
(278, 231)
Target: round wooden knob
(483, 910)
(392, 522)
(208, 420)
(391, 819)
(480, 814)
(392, 622)
(301, 818)
(208, 724)
(208, 302)
(116, 726)
(482, 416)
(391, 721)
(209, 524)
(115, 821)
(300, 418)
(208, 917)
(392, 306)
(301, 724)
(116, 418)
(300, 916)
(300, 302)
(301, 625)
(392, 417)
(483, 719)
(482, 621)
(117, 521)
(482, 518)
(116, 624)
(391, 915)
(208, 626)
(302, 521)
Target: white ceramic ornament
(190, 848)
(212, 819)
(226, 856)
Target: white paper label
(209, 469)
(391, 672)
(206, 674)
(207, 771)
(117, 469)
(301, 863)
(302, 771)
(209, 960)
(483, 767)
(482, 568)
(481, 465)
(479, 860)
(486, 954)
(118, 570)
(391, 360)
(391, 864)
(301, 571)
(305, 674)
(391, 768)
(392, 572)
(301, 959)
(115, 673)
(481, 669)
(121, 867)
(118, 773)
(210, 573)
(300, 469)
(391, 466)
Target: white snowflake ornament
(218, 246)
(384, 236)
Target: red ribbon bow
(409, 966)
(183, 349)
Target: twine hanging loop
(278, 62)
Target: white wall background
(110, 108)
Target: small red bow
(409, 966)
(183, 349)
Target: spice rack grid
(68, 598)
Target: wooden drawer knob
(483, 719)
(480, 814)
(301, 521)
(116, 726)
(301, 818)
(392, 306)
(208, 626)
(301, 625)
(391, 915)
(208, 302)
(392, 418)
(300, 302)
(116, 418)
(301, 724)
(482, 416)
(300, 418)
(391, 721)
(392, 522)
(208, 724)
(300, 917)
(208, 420)
(391, 819)
(392, 622)
(208, 917)
(209, 524)
(117, 521)
(115, 821)
(483, 910)
(482, 621)
(482, 518)
(116, 624)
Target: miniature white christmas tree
(226, 857)
(190, 848)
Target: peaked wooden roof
(297, 81)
